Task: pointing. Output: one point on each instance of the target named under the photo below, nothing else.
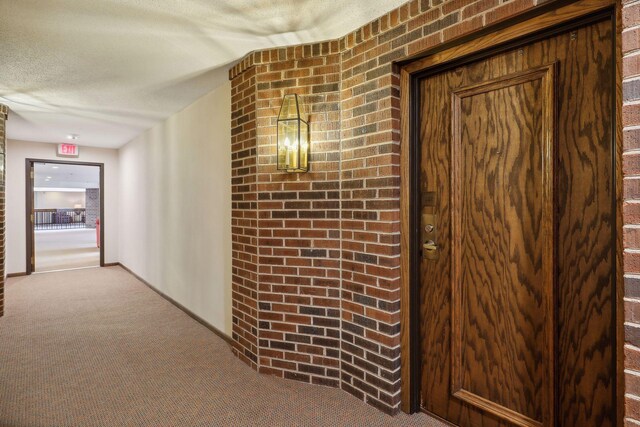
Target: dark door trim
(29, 206)
(538, 24)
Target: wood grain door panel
(516, 168)
(502, 246)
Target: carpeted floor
(96, 347)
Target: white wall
(175, 207)
(58, 199)
(17, 152)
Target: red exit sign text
(68, 150)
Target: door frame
(539, 23)
(29, 206)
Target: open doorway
(65, 205)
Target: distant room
(66, 216)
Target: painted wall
(17, 152)
(175, 207)
(58, 199)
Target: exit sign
(68, 150)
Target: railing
(58, 219)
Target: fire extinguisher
(98, 231)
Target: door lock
(429, 245)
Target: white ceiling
(51, 175)
(109, 69)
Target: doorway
(513, 233)
(65, 206)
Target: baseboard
(10, 275)
(111, 264)
(188, 312)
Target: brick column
(299, 220)
(92, 206)
(631, 208)
(244, 215)
(4, 112)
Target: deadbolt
(428, 237)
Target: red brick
(631, 65)
(632, 358)
(631, 164)
(632, 311)
(508, 10)
(632, 262)
(631, 15)
(630, 40)
(631, 139)
(478, 7)
(631, 237)
(462, 28)
(631, 189)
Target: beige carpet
(96, 347)
(64, 249)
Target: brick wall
(299, 220)
(244, 217)
(4, 111)
(92, 206)
(631, 209)
(318, 299)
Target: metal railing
(59, 219)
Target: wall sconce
(293, 137)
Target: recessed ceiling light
(55, 167)
(48, 177)
(73, 136)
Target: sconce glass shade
(293, 137)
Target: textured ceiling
(51, 175)
(110, 69)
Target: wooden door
(517, 267)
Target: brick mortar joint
(249, 61)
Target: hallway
(96, 347)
